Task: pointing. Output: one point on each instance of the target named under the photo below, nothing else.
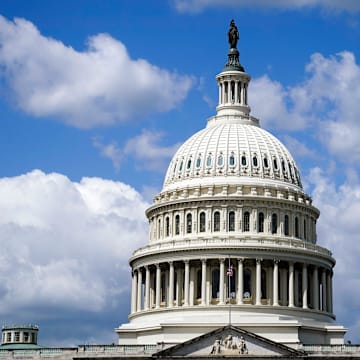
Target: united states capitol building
(232, 267)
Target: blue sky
(95, 97)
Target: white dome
(243, 153)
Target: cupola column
(203, 282)
(276, 283)
(291, 284)
(323, 290)
(147, 288)
(240, 274)
(187, 283)
(171, 284)
(304, 287)
(221, 281)
(258, 282)
(133, 291)
(158, 286)
(139, 290)
(315, 288)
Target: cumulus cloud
(338, 229)
(328, 5)
(98, 86)
(65, 247)
(325, 102)
(110, 151)
(146, 148)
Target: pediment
(229, 341)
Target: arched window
(243, 160)
(231, 221)
(286, 225)
(202, 221)
(198, 162)
(177, 224)
(167, 226)
(304, 229)
(275, 164)
(215, 284)
(247, 283)
(296, 227)
(283, 166)
(188, 166)
(246, 221)
(220, 160)
(233, 91)
(232, 282)
(232, 160)
(216, 221)
(208, 161)
(266, 163)
(255, 161)
(188, 223)
(181, 165)
(261, 222)
(274, 224)
(159, 229)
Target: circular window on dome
(209, 161)
(232, 160)
(243, 160)
(220, 161)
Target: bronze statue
(233, 35)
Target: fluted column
(186, 283)
(291, 284)
(171, 284)
(203, 281)
(304, 287)
(240, 293)
(139, 290)
(158, 286)
(133, 291)
(147, 288)
(323, 290)
(284, 286)
(276, 283)
(315, 288)
(221, 281)
(258, 282)
(328, 291)
(331, 293)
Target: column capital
(170, 262)
(186, 261)
(240, 260)
(203, 260)
(222, 260)
(258, 260)
(276, 261)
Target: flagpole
(229, 289)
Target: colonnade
(212, 282)
(232, 91)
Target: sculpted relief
(229, 345)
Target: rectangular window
(17, 336)
(26, 336)
(8, 337)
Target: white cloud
(328, 5)
(99, 86)
(298, 148)
(338, 230)
(110, 151)
(146, 149)
(65, 246)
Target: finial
(233, 62)
(233, 35)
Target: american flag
(230, 271)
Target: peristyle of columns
(204, 282)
